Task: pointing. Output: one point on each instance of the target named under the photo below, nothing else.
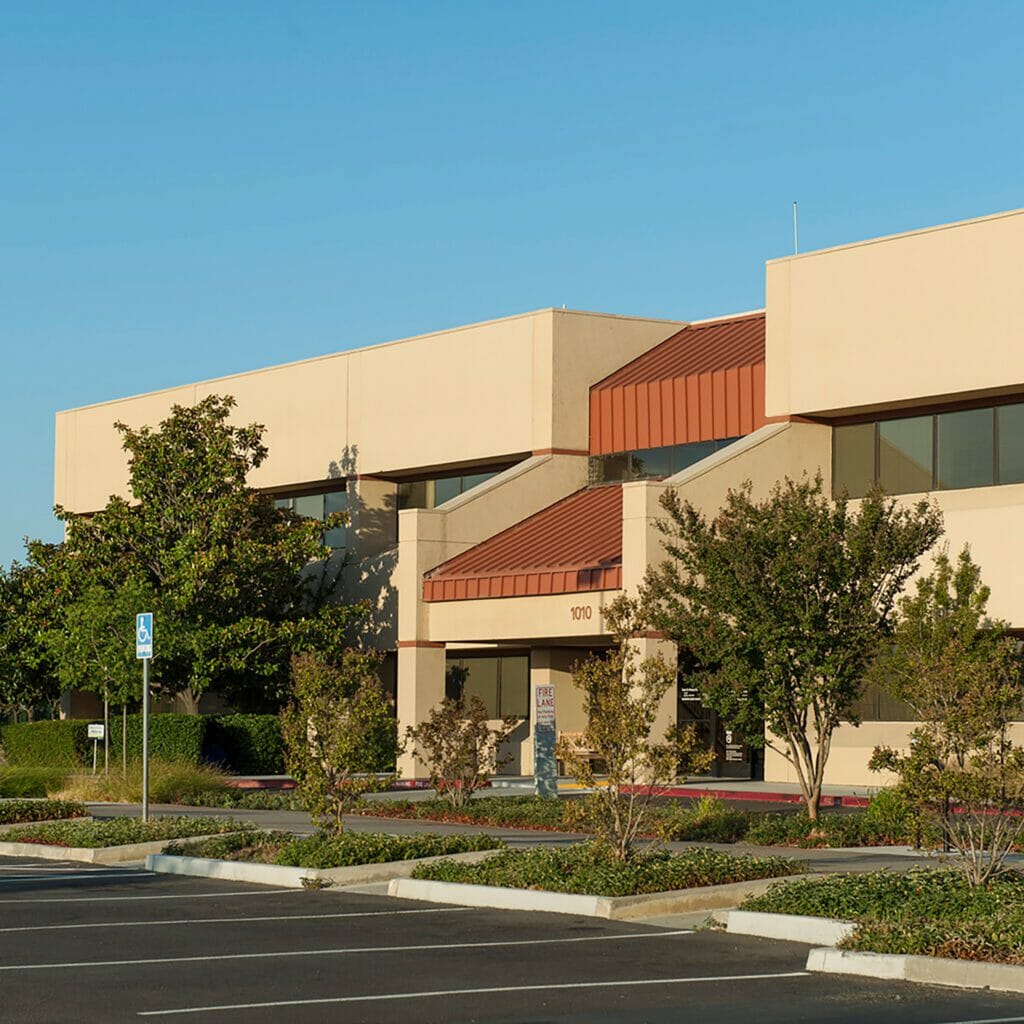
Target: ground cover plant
(329, 850)
(250, 799)
(119, 831)
(18, 811)
(593, 868)
(925, 911)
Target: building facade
(502, 479)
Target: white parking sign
(144, 635)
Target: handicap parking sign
(144, 635)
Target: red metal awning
(705, 382)
(574, 545)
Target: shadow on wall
(368, 562)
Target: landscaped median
(112, 841)
(20, 812)
(349, 858)
(585, 879)
(925, 925)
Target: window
(853, 459)
(502, 682)
(876, 705)
(1010, 420)
(320, 506)
(431, 493)
(905, 455)
(652, 463)
(966, 448)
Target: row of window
(320, 506)
(970, 448)
(431, 493)
(652, 462)
(502, 682)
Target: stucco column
(420, 689)
(654, 645)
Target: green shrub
(30, 782)
(120, 831)
(591, 869)
(923, 911)
(17, 811)
(172, 738)
(249, 844)
(709, 820)
(52, 744)
(251, 744)
(348, 848)
(250, 799)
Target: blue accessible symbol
(144, 635)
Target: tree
(960, 673)
(30, 603)
(93, 648)
(237, 584)
(460, 747)
(781, 604)
(339, 733)
(622, 699)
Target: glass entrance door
(733, 757)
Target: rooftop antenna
(796, 231)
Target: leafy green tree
(339, 733)
(31, 601)
(781, 604)
(622, 699)
(960, 673)
(237, 585)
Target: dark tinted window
(853, 460)
(1011, 444)
(905, 455)
(966, 448)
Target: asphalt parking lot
(79, 943)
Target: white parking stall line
(229, 920)
(169, 896)
(442, 993)
(77, 876)
(422, 948)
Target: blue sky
(192, 189)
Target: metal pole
(145, 739)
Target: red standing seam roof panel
(706, 381)
(572, 546)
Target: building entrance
(733, 757)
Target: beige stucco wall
(474, 393)
(926, 314)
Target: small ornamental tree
(622, 699)
(339, 733)
(960, 673)
(781, 604)
(460, 747)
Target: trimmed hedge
(55, 744)
(251, 744)
(245, 744)
(178, 738)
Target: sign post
(545, 766)
(144, 652)
(96, 732)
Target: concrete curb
(615, 908)
(827, 931)
(93, 855)
(925, 970)
(295, 878)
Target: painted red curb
(755, 796)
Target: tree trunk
(106, 734)
(189, 702)
(124, 739)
